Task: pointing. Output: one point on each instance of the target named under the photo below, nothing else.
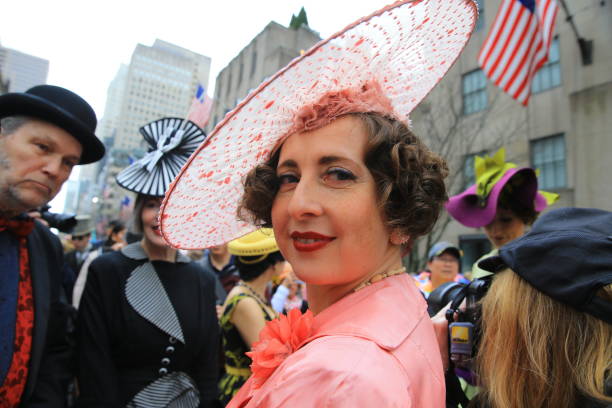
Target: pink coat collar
(352, 315)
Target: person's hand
(289, 280)
(117, 246)
(219, 311)
(38, 217)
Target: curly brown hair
(409, 179)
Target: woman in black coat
(147, 322)
(147, 331)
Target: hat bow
(170, 139)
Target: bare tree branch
(454, 136)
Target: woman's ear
(398, 238)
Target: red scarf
(14, 383)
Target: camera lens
(441, 296)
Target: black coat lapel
(40, 258)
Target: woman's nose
(304, 201)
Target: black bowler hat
(61, 107)
(567, 255)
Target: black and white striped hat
(171, 142)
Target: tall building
(22, 71)
(564, 131)
(161, 80)
(71, 202)
(112, 109)
(94, 175)
(3, 85)
(273, 48)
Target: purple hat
(476, 206)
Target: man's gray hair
(10, 124)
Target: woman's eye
(287, 181)
(42, 147)
(337, 177)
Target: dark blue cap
(440, 247)
(567, 255)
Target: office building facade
(21, 71)
(564, 131)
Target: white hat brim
(406, 47)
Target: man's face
(80, 242)
(35, 160)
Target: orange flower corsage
(277, 340)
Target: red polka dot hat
(398, 54)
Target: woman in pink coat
(322, 153)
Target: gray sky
(86, 41)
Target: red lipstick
(309, 241)
(156, 230)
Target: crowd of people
(301, 297)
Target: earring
(398, 238)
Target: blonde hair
(537, 352)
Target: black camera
(463, 322)
(62, 222)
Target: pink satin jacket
(373, 348)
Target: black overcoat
(51, 365)
(120, 352)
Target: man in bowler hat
(44, 133)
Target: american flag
(199, 112)
(125, 209)
(517, 45)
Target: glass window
(549, 76)
(548, 156)
(469, 176)
(229, 82)
(240, 72)
(474, 92)
(474, 246)
(253, 62)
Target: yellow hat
(260, 242)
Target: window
(253, 62)
(549, 76)
(240, 72)
(474, 91)
(548, 156)
(469, 176)
(229, 82)
(473, 246)
(481, 16)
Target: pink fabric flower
(367, 98)
(277, 340)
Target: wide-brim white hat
(404, 49)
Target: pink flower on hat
(369, 97)
(277, 340)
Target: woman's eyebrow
(325, 160)
(331, 159)
(288, 163)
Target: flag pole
(585, 46)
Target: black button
(169, 349)
(163, 371)
(172, 340)
(165, 361)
